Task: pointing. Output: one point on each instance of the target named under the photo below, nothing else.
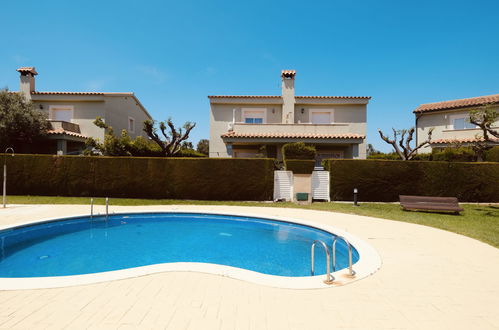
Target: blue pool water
(82, 246)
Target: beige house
(71, 114)
(450, 120)
(246, 126)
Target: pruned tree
(173, 138)
(403, 146)
(484, 117)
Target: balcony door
(61, 113)
(321, 117)
(254, 116)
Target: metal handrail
(350, 269)
(91, 208)
(329, 277)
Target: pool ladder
(92, 208)
(329, 276)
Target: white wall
(441, 121)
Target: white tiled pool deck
(430, 279)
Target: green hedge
(300, 166)
(492, 155)
(298, 150)
(385, 180)
(449, 154)
(133, 177)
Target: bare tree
(404, 148)
(173, 138)
(484, 118)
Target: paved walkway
(430, 279)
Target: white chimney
(27, 81)
(288, 96)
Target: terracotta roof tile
(64, 132)
(244, 96)
(461, 140)
(461, 103)
(79, 93)
(233, 134)
(333, 97)
(278, 96)
(30, 69)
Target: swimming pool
(84, 245)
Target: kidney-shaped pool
(76, 246)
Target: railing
(350, 269)
(65, 125)
(329, 277)
(92, 209)
(296, 128)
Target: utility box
(302, 197)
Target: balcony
(58, 125)
(301, 129)
(308, 133)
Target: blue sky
(172, 54)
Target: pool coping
(369, 261)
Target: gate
(320, 185)
(283, 185)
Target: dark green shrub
(492, 155)
(461, 154)
(423, 156)
(384, 181)
(298, 150)
(300, 166)
(388, 156)
(190, 153)
(134, 177)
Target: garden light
(355, 191)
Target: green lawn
(477, 221)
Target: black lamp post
(355, 193)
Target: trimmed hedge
(298, 150)
(300, 166)
(492, 155)
(385, 180)
(133, 177)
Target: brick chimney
(27, 81)
(288, 96)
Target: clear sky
(172, 54)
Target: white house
(240, 125)
(71, 114)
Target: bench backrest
(428, 199)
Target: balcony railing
(292, 128)
(67, 126)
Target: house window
(131, 125)
(321, 117)
(461, 122)
(61, 113)
(254, 116)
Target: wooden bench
(428, 203)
